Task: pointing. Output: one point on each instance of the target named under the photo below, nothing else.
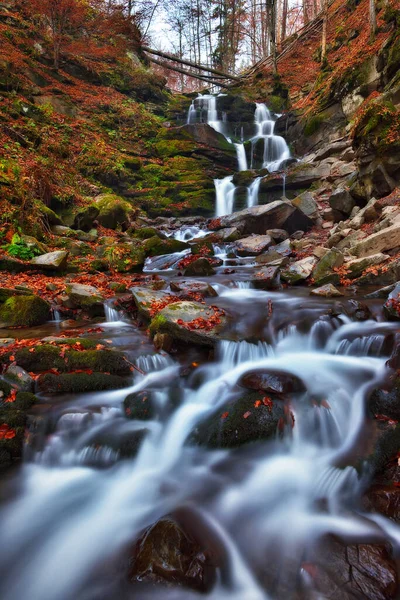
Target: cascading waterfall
(274, 149)
(82, 503)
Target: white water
(188, 232)
(275, 150)
(80, 505)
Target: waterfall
(225, 196)
(252, 192)
(111, 313)
(276, 149)
(241, 157)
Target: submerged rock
(168, 555)
(272, 382)
(266, 278)
(191, 286)
(250, 418)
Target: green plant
(20, 249)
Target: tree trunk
(324, 30)
(372, 19)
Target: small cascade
(56, 315)
(225, 196)
(164, 262)
(241, 157)
(111, 313)
(276, 149)
(153, 362)
(252, 192)
(188, 232)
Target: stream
(72, 511)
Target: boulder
(140, 406)
(331, 260)
(83, 296)
(326, 291)
(24, 311)
(341, 200)
(191, 286)
(249, 418)
(114, 211)
(332, 149)
(190, 322)
(149, 302)
(357, 266)
(79, 383)
(20, 378)
(84, 219)
(299, 270)
(155, 246)
(266, 278)
(278, 235)
(52, 261)
(253, 245)
(306, 203)
(166, 554)
(199, 268)
(391, 308)
(386, 401)
(258, 219)
(126, 257)
(386, 239)
(272, 382)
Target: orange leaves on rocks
(205, 324)
(6, 432)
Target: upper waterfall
(261, 150)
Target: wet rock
(357, 310)
(166, 554)
(391, 308)
(306, 203)
(6, 293)
(389, 275)
(149, 302)
(386, 239)
(387, 401)
(347, 240)
(382, 292)
(365, 571)
(384, 499)
(190, 322)
(229, 234)
(79, 383)
(253, 245)
(155, 246)
(331, 260)
(299, 270)
(249, 418)
(52, 261)
(326, 291)
(83, 296)
(357, 267)
(342, 201)
(266, 278)
(24, 311)
(272, 382)
(190, 286)
(4, 342)
(85, 218)
(199, 268)
(20, 378)
(163, 341)
(140, 406)
(47, 357)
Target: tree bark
(189, 63)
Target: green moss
(24, 311)
(145, 233)
(76, 383)
(168, 148)
(157, 323)
(127, 257)
(24, 400)
(155, 246)
(313, 124)
(114, 211)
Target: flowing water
(268, 151)
(73, 509)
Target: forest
(200, 299)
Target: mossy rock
(144, 233)
(146, 300)
(140, 406)
(169, 148)
(114, 211)
(24, 311)
(238, 422)
(84, 343)
(126, 257)
(155, 246)
(79, 383)
(179, 320)
(47, 357)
